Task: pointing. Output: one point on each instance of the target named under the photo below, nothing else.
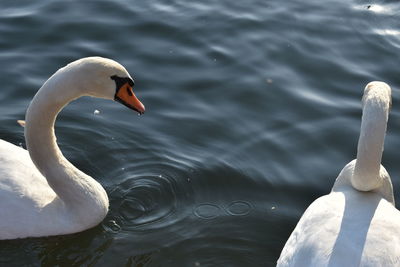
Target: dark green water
(252, 109)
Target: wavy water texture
(252, 109)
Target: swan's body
(41, 192)
(356, 224)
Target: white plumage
(356, 224)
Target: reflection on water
(252, 109)
(388, 32)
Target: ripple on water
(207, 211)
(239, 208)
(151, 201)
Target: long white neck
(376, 105)
(80, 193)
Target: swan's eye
(129, 90)
(122, 81)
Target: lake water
(252, 109)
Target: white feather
(356, 224)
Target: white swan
(356, 224)
(41, 192)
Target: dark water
(253, 107)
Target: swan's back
(15, 162)
(348, 228)
(23, 190)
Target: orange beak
(126, 96)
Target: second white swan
(41, 192)
(356, 224)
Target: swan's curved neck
(366, 174)
(77, 190)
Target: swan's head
(379, 91)
(106, 78)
